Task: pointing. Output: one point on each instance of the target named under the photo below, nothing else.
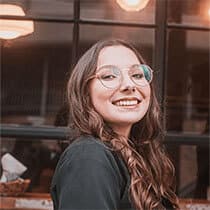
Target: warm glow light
(209, 12)
(11, 29)
(132, 5)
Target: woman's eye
(138, 76)
(108, 77)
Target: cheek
(98, 94)
(145, 92)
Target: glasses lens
(147, 72)
(109, 76)
(141, 74)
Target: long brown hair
(151, 172)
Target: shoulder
(87, 171)
(88, 142)
(89, 159)
(88, 155)
(87, 149)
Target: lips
(126, 102)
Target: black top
(89, 176)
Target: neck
(122, 130)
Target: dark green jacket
(89, 176)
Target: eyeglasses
(111, 76)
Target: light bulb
(132, 5)
(11, 29)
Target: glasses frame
(97, 76)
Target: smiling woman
(117, 160)
(127, 102)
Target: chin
(129, 121)
(132, 117)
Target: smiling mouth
(126, 102)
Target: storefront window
(34, 69)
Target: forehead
(117, 55)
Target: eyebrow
(117, 66)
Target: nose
(127, 84)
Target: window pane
(193, 12)
(34, 72)
(110, 10)
(39, 156)
(56, 9)
(142, 38)
(192, 170)
(187, 93)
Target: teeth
(126, 102)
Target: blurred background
(172, 35)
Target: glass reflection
(34, 69)
(62, 9)
(188, 81)
(141, 37)
(193, 12)
(110, 10)
(38, 156)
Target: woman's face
(125, 104)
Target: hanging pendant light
(11, 29)
(132, 5)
